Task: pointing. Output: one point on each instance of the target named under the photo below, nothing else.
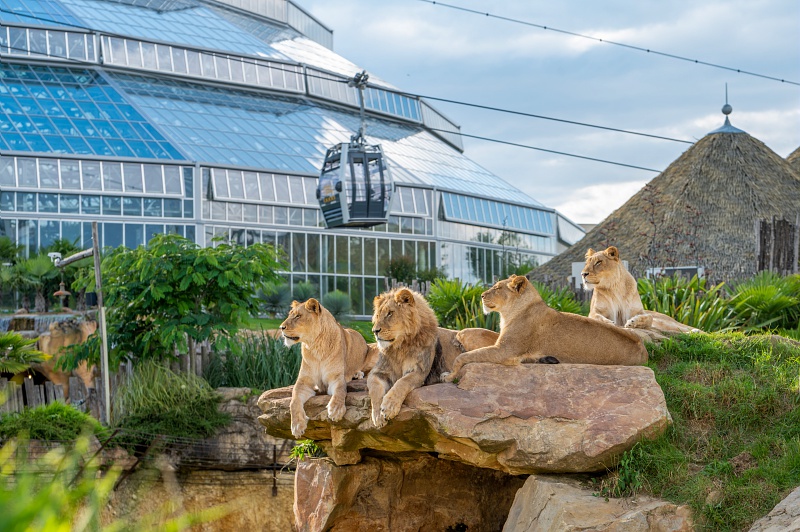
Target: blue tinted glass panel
(37, 12)
(197, 26)
(64, 94)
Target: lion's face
(394, 316)
(506, 294)
(302, 324)
(601, 267)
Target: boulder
(533, 418)
(61, 334)
(410, 491)
(241, 444)
(785, 516)
(559, 504)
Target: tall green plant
(690, 301)
(260, 362)
(162, 297)
(767, 300)
(561, 299)
(455, 302)
(338, 304)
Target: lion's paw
(299, 426)
(448, 376)
(642, 321)
(378, 419)
(336, 411)
(390, 407)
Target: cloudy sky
(437, 51)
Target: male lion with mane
(615, 296)
(332, 355)
(407, 333)
(532, 331)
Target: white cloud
(594, 203)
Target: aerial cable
(517, 145)
(597, 39)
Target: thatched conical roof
(701, 210)
(794, 160)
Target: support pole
(101, 322)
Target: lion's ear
(612, 253)
(589, 253)
(404, 296)
(312, 305)
(518, 283)
(295, 303)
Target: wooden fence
(777, 244)
(28, 394)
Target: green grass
(53, 422)
(257, 324)
(258, 362)
(733, 451)
(156, 401)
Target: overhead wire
(606, 41)
(245, 60)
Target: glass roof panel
(37, 12)
(222, 126)
(458, 207)
(50, 109)
(199, 26)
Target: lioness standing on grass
(532, 331)
(407, 332)
(332, 355)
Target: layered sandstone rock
(410, 491)
(785, 516)
(518, 419)
(558, 504)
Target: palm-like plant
(17, 353)
(8, 279)
(35, 272)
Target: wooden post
(49, 392)
(796, 264)
(76, 397)
(58, 392)
(4, 398)
(38, 389)
(30, 394)
(101, 322)
(20, 401)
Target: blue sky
(433, 50)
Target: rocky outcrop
(559, 504)
(534, 418)
(401, 492)
(785, 516)
(61, 334)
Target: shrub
(304, 291)
(261, 362)
(277, 297)
(767, 301)
(338, 303)
(402, 268)
(456, 303)
(54, 422)
(689, 301)
(156, 401)
(561, 299)
(17, 353)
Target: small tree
(401, 268)
(164, 298)
(35, 273)
(17, 353)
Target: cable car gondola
(355, 188)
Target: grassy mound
(53, 422)
(733, 451)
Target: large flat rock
(784, 517)
(559, 504)
(534, 418)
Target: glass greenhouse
(211, 118)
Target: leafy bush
(455, 302)
(561, 299)
(736, 427)
(54, 422)
(17, 353)
(276, 297)
(402, 268)
(260, 362)
(430, 274)
(306, 449)
(156, 401)
(338, 303)
(304, 291)
(767, 300)
(689, 301)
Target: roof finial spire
(726, 109)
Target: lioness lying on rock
(530, 330)
(332, 355)
(616, 299)
(407, 333)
